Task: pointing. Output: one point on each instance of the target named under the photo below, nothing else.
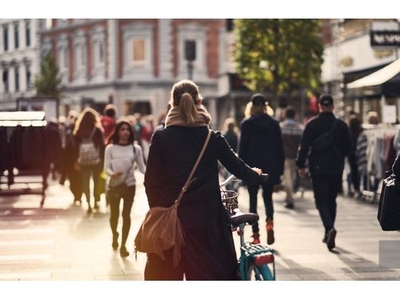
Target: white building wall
(17, 58)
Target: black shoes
(289, 205)
(330, 239)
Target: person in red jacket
(109, 119)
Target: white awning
(378, 77)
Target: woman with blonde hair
(208, 252)
(88, 129)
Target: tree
(49, 82)
(279, 56)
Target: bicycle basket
(230, 200)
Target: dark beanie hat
(258, 99)
(325, 100)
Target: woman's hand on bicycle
(263, 176)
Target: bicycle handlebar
(263, 178)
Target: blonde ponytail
(188, 108)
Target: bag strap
(189, 180)
(92, 133)
(334, 125)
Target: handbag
(161, 229)
(389, 203)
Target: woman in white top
(120, 156)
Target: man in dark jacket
(261, 146)
(325, 164)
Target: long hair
(114, 138)
(87, 120)
(355, 125)
(185, 94)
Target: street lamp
(190, 56)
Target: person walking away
(325, 165)
(52, 149)
(146, 132)
(208, 252)
(261, 145)
(108, 119)
(73, 175)
(231, 134)
(291, 135)
(120, 157)
(355, 129)
(361, 160)
(89, 152)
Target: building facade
(349, 56)
(19, 60)
(133, 63)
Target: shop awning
(379, 77)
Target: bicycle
(256, 261)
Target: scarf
(174, 118)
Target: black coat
(329, 162)
(261, 145)
(209, 251)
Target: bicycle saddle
(240, 218)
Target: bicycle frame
(255, 258)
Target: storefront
(378, 91)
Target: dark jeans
(267, 190)
(326, 189)
(91, 172)
(114, 203)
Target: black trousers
(326, 189)
(114, 203)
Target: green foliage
(279, 56)
(48, 84)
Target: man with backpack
(326, 159)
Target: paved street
(61, 242)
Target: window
(138, 51)
(5, 38)
(27, 33)
(80, 55)
(101, 52)
(190, 50)
(63, 58)
(28, 77)
(16, 36)
(98, 53)
(16, 72)
(5, 80)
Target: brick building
(134, 62)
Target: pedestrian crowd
(105, 149)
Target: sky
(196, 9)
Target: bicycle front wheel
(259, 273)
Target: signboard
(385, 38)
(389, 114)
